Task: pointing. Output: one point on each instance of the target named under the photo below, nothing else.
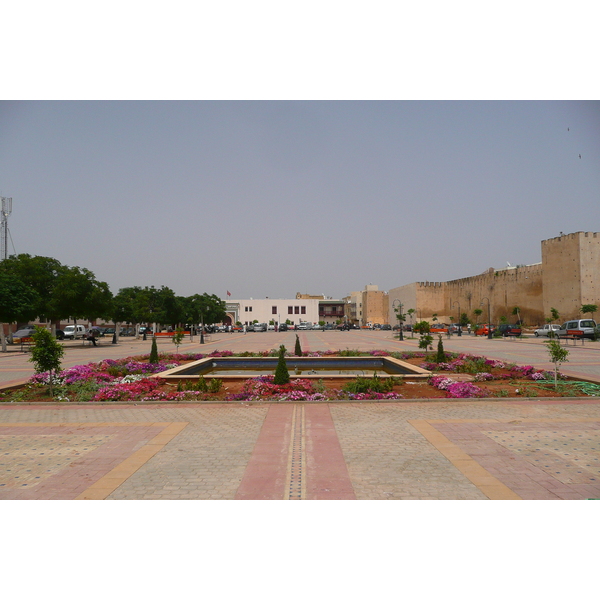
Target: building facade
(367, 307)
(278, 310)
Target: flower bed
(127, 380)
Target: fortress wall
(507, 288)
(571, 269)
(407, 294)
(567, 277)
(589, 252)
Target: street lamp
(399, 312)
(489, 317)
(202, 328)
(459, 327)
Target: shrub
(46, 353)
(425, 342)
(282, 375)
(297, 348)
(362, 385)
(348, 352)
(441, 355)
(214, 387)
(153, 352)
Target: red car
(483, 330)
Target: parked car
(484, 329)
(260, 326)
(283, 327)
(302, 326)
(506, 329)
(60, 334)
(270, 327)
(386, 327)
(328, 327)
(22, 334)
(75, 331)
(546, 329)
(587, 326)
(109, 331)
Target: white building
(279, 310)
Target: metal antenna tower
(6, 210)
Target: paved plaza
(459, 449)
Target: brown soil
(514, 388)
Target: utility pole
(5, 213)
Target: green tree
(46, 354)
(441, 355)
(18, 302)
(79, 295)
(41, 273)
(282, 375)
(464, 320)
(178, 337)
(125, 306)
(558, 355)
(154, 352)
(425, 342)
(205, 308)
(554, 314)
(589, 308)
(422, 327)
(477, 312)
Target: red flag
(228, 293)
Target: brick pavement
(409, 450)
(375, 451)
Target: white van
(586, 326)
(70, 332)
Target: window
(296, 310)
(246, 308)
(303, 310)
(290, 310)
(249, 309)
(273, 310)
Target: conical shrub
(282, 375)
(298, 349)
(153, 353)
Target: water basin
(323, 367)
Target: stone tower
(571, 273)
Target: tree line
(41, 287)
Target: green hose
(585, 387)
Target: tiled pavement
(378, 451)
(422, 450)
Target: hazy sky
(270, 198)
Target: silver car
(546, 329)
(586, 326)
